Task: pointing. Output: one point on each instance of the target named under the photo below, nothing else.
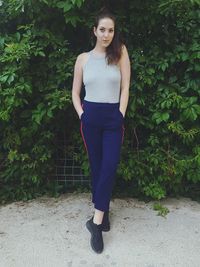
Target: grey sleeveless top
(102, 81)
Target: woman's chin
(105, 44)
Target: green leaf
(4, 78)
(41, 53)
(11, 78)
(165, 116)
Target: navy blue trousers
(102, 129)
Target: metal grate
(67, 169)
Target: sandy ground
(49, 232)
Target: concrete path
(49, 232)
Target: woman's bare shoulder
(82, 58)
(124, 54)
(124, 50)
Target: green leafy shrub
(39, 43)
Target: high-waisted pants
(102, 130)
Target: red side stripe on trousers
(81, 129)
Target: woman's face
(104, 31)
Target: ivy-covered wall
(39, 42)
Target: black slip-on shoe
(106, 222)
(96, 240)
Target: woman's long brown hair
(114, 50)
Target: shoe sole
(90, 230)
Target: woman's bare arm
(125, 80)
(77, 84)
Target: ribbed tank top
(102, 81)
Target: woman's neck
(99, 49)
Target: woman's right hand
(80, 115)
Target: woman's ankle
(98, 217)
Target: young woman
(105, 72)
